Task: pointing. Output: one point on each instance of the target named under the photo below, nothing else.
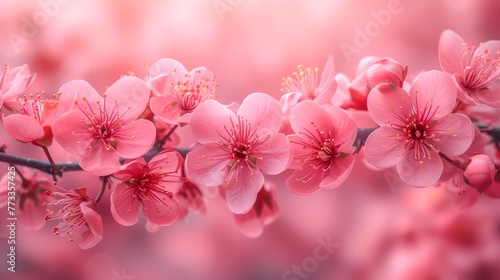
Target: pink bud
(480, 172)
(386, 70)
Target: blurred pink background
(385, 231)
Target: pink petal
(275, 154)
(489, 96)
(492, 48)
(163, 108)
(209, 119)
(129, 95)
(94, 222)
(297, 185)
(288, 100)
(436, 89)
(124, 206)
(345, 129)
(450, 52)
(80, 90)
(167, 66)
(338, 172)
(387, 103)
(328, 78)
(310, 116)
(455, 134)
(262, 111)
(241, 194)
(167, 161)
(99, 161)
(71, 134)
(299, 151)
(419, 174)
(163, 213)
(23, 128)
(32, 214)
(205, 167)
(381, 149)
(135, 138)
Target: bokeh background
(385, 230)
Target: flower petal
(436, 89)
(100, 161)
(135, 139)
(455, 134)
(73, 135)
(262, 111)
(165, 109)
(124, 206)
(450, 52)
(163, 212)
(419, 174)
(241, 194)
(338, 172)
(83, 94)
(345, 129)
(23, 128)
(275, 153)
(388, 104)
(206, 167)
(298, 185)
(209, 119)
(167, 66)
(382, 150)
(94, 221)
(129, 96)
(309, 116)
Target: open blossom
(78, 216)
(14, 83)
(177, 91)
(36, 114)
(101, 129)
(236, 148)
(263, 213)
(310, 85)
(416, 127)
(475, 68)
(322, 147)
(30, 186)
(151, 185)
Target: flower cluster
(323, 125)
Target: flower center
(327, 151)
(240, 151)
(482, 68)
(194, 89)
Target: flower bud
(386, 70)
(480, 172)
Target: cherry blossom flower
(264, 212)
(236, 148)
(417, 127)
(151, 185)
(78, 216)
(177, 91)
(322, 147)
(14, 83)
(476, 69)
(310, 85)
(37, 114)
(100, 129)
(30, 186)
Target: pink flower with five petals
(237, 148)
(150, 185)
(101, 129)
(322, 147)
(416, 127)
(475, 68)
(13, 83)
(177, 91)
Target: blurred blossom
(14, 83)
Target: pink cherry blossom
(386, 70)
(30, 186)
(236, 148)
(264, 212)
(416, 127)
(101, 129)
(14, 83)
(480, 172)
(310, 85)
(36, 114)
(322, 147)
(476, 69)
(150, 185)
(78, 216)
(177, 91)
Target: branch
(45, 166)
